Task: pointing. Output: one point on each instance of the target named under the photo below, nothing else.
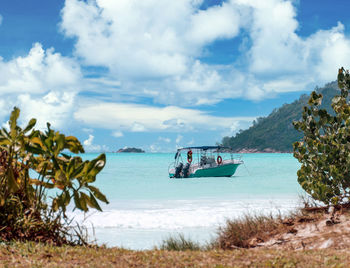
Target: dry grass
(39, 255)
(251, 230)
(179, 243)
(241, 232)
(245, 232)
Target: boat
(204, 161)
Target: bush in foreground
(32, 163)
(324, 152)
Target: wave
(179, 215)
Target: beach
(146, 206)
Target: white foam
(182, 214)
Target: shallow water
(146, 206)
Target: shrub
(324, 152)
(25, 212)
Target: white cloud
(152, 48)
(89, 141)
(54, 107)
(117, 134)
(152, 38)
(39, 72)
(89, 146)
(170, 118)
(164, 139)
(178, 139)
(285, 61)
(217, 22)
(43, 84)
(1, 19)
(138, 127)
(155, 148)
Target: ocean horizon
(146, 206)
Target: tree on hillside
(324, 152)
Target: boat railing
(171, 165)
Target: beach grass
(41, 255)
(180, 243)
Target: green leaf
(94, 203)
(96, 165)
(11, 181)
(74, 145)
(42, 183)
(98, 194)
(83, 201)
(77, 200)
(60, 176)
(30, 125)
(13, 121)
(34, 149)
(55, 205)
(60, 142)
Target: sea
(146, 206)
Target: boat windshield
(202, 155)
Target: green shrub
(25, 212)
(324, 152)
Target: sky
(159, 75)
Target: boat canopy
(205, 148)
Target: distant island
(130, 150)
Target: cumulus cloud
(280, 60)
(54, 107)
(153, 48)
(89, 141)
(43, 84)
(1, 19)
(39, 71)
(126, 116)
(152, 38)
(89, 146)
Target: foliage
(276, 131)
(26, 153)
(324, 152)
(239, 232)
(44, 255)
(179, 243)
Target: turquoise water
(146, 206)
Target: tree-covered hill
(276, 132)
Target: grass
(179, 243)
(40, 255)
(244, 232)
(237, 233)
(240, 232)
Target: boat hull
(226, 170)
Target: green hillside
(276, 132)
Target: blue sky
(162, 74)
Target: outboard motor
(186, 170)
(178, 170)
